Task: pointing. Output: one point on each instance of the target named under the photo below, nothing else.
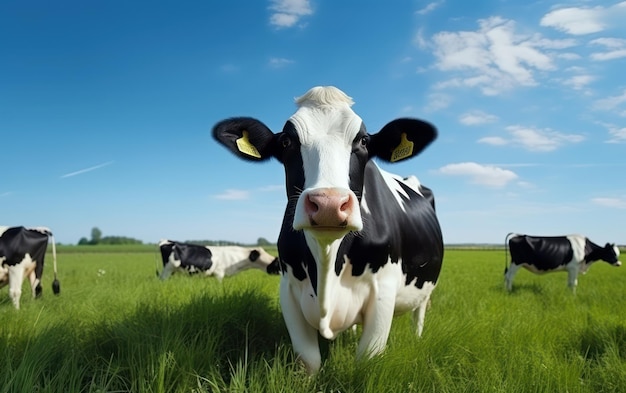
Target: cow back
(545, 253)
(16, 242)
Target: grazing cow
(22, 252)
(541, 254)
(357, 244)
(218, 261)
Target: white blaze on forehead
(326, 127)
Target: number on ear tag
(244, 146)
(404, 149)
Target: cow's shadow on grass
(521, 288)
(204, 336)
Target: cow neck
(593, 252)
(328, 281)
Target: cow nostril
(310, 206)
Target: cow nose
(329, 207)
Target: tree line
(97, 238)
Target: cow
(218, 261)
(22, 252)
(357, 244)
(543, 254)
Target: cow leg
(509, 274)
(572, 279)
(419, 314)
(303, 336)
(168, 270)
(35, 286)
(377, 323)
(16, 277)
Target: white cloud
(610, 103)
(611, 55)
(613, 43)
(579, 82)
(279, 62)
(475, 118)
(233, 195)
(618, 135)
(568, 56)
(437, 101)
(494, 140)
(419, 39)
(533, 139)
(287, 13)
(585, 20)
(430, 7)
(494, 58)
(615, 203)
(576, 21)
(486, 175)
(616, 48)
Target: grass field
(116, 328)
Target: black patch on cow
(543, 252)
(16, 242)
(594, 252)
(192, 257)
(293, 251)
(358, 160)
(412, 235)
(275, 267)
(254, 255)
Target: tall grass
(117, 328)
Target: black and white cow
(357, 244)
(543, 254)
(218, 261)
(22, 252)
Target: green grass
(116, 328)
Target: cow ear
(248, 138)
(401, 139)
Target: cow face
(611, 254)
(324, 148)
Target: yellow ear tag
(404, 149)
(244, 146)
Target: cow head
(611, 254)
(324, 148)
(263, 260)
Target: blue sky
(106, 109)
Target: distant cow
(357, 244)
(541, 254)
(218, 261)
(22, 252)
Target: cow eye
(364, 141)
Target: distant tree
(83, 241)
(96, 235)
(263, 242)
